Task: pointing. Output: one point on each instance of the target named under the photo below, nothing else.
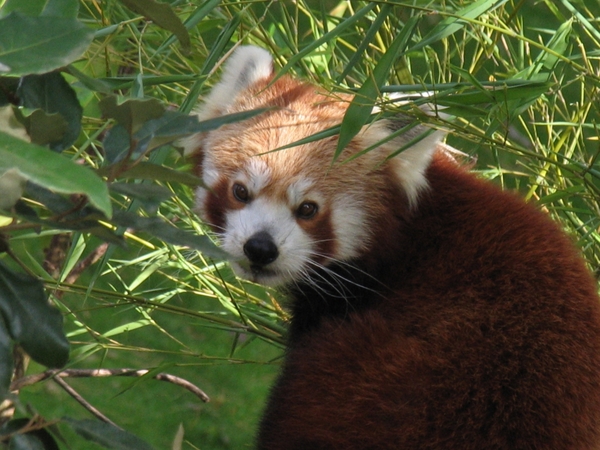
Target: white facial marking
(256, 175)
(210, 173)
(298, 191)
(266, 215)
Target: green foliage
(97, 205)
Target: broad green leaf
(162, 15)
(168, 233)
(12, 184)
(143, 192)
(107, 435)
(361, 108)
(30, 320)
(31, 440)
(150, 195)
(117, 144)
(61, 8)
(52, 8)
(44, 128)
(53, 171)
(52, 94)
(133, 113)
(56, 42)
(28, 8)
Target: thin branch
(92, 258)
(83, 402)
(100, 373)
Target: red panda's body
(458, 318)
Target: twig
(92, 258)
(83, 402)
(98, 373)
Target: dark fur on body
(430, 309)
(481, 331)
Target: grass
(155, 305)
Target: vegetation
(97, 203)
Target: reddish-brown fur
(468, 322)
(487, 336)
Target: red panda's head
(281, 214)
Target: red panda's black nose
(260, 249)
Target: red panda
(430, 309)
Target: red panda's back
(487, 337)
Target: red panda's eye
(307, 210)
(241, 193)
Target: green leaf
(149, 171)
(150, 195)
(168, 233)
(30, 320)
(361, 108)
(162, 15)
(367, 41)
(53, 171)
(61, 8)
(334, 33)
(31, 440)
(52, 8)
(11, 122)
(117, 144)
(455, 22)
(132, 113)
(28, 8)
(200, 13)
(6, 360)
(51, 93)
(56, 42)
(107, 435)
(44, 128)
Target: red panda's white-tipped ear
(410, 165)
(246, 66)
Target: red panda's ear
(246, 66)
(408, 166)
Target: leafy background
(98, 203)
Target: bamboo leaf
(455, 22)
(335, 32)
(107, 435)
(53, 171)
(162, 15)
(361, 108)
(52, 94)
(57, 42)
(30, 320)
